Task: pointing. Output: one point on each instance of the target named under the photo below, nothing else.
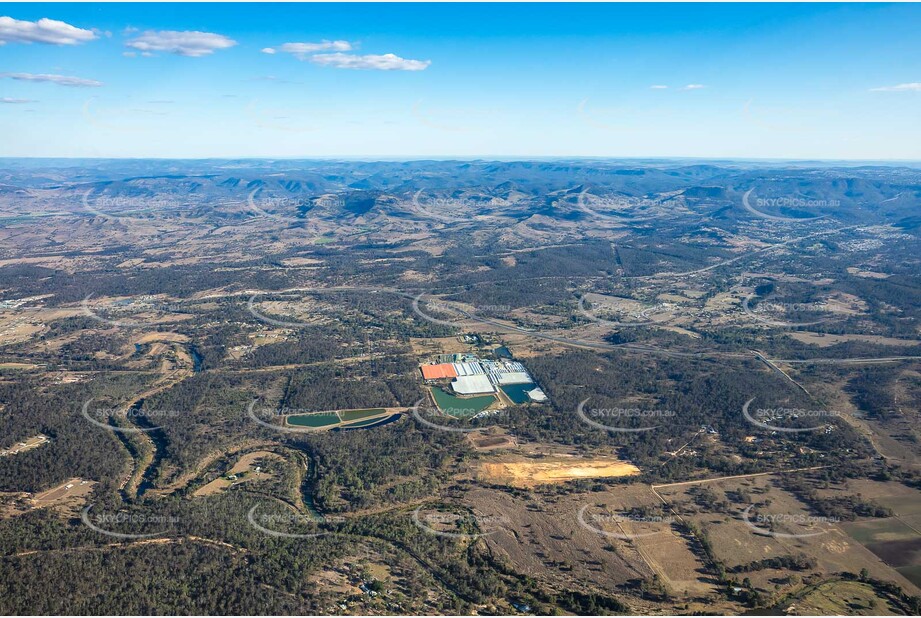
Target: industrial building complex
(470, 375)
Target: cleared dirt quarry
(525, 473)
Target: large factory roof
(472, 385)
(436, 372)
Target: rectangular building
(477, 384)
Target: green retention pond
(518, 393)
(461, 406)
(313, 420)
(354, 415)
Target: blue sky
(823, 81)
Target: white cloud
(385, 62)
(657, 87)
(61, 80)
(301, 50)
(188, 43)
(16, 101)
(693, 87)
(44, 30)
(912, 87)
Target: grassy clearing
(879, 531)
(843, 598)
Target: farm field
(719, 514)
(895, 540)
(842, 598)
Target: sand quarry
(526, 473)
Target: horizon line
(505, 158)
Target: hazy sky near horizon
(829, 81)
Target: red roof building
(437, 372)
